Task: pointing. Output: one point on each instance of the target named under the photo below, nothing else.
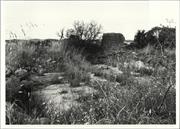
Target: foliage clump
(159, 37)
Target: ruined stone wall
(112, 41)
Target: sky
(38, 19)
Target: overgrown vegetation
(160, 37)
(146, 97)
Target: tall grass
(154, 102)
(125, 102)
(55, 58)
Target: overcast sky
(44, 19)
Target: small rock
(134, 53)
(104, 121)
(42, 120)
(49, 60)
(87, 123)
(60, 77)
(21, 72)
(40, 71)
(115, 70)
(137, 65)
(134, 73)
(107, 71)
(84, 90)
(53, 62)
(161, 69)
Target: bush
(20, 56)
(12, 87)
(140, 39)
(75, 65)
(159, 37)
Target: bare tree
(85, 31)
(92, 30)
(79, 29)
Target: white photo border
(2, 85)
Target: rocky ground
(58, 94)
(125, 88)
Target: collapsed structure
(112, 41)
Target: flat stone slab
(105, 70)
(62, 97)
(48, 78)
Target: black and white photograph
(90, 64)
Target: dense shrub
(89, 48)
(20, 56)
(160, 37)
(140, 39)
(84, 37)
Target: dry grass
(129, 102)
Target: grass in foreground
(129, 102)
